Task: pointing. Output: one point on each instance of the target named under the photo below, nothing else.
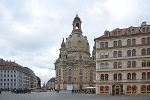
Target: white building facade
(123, 61)
(14, 76)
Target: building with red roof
(123, 61)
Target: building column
(97, 89)
(110, 89)
(124, 88)
(138, 88)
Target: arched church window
(59, 71)
(91, 75)
(81, 72)
(69, 71)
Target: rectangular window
(115, 77)
(80, 78)
(69, 71)
(106, 77)
(134, 77)
(133, 42)
(59, 78)
(69, 78)
(115, 44)
(129, 53)
(148, 75)
(129, 76)
(102, 78)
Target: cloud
(32, 30)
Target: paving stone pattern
(67, 95)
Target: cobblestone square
(67, 95)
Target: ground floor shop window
(106, 89)
(101, 89)
(148, 89)
(128, 89)
(134, 89)
(143, 89)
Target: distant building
(123, 61)
(38, 83)
(75, 68)
(51, 83)
(14, 76)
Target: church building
(75, 67)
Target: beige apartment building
(75, 67)
(123, 61)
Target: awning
(129, 73)
(119, 74)
(143, 86)
(133, 73)
(101, 86)
(128, 86)
(106, 87)
(90, 87)
(134, 86)
(115, 74)
(148, 86)
(143, 73)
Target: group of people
(57, 90)
(17, 91)
(87, 91)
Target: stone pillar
(97, 89)
(138, 88)
(124, 89)
(110, 89)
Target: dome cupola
(76, 41)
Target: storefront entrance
(117, 89)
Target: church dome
(77, 42)
(76, 18)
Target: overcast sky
(31, 31)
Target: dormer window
(143, 30)
(106, 34)
(147, 29)
(119, 33)
(129, 31)
(133, 31)
(115, 33)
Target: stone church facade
(75, 67)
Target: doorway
(117, 90)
